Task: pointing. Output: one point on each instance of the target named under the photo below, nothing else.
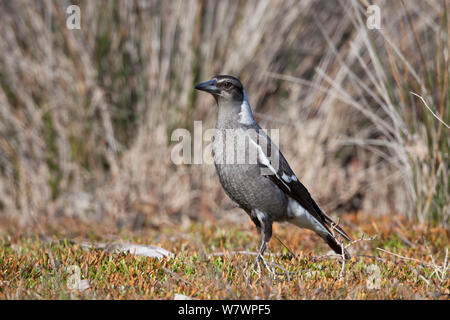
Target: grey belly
(244, 184)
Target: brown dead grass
(205, 265)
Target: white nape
(246, 113)
(303, 219)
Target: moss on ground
(208, 263)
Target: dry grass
(86, 119)
(411, 261)
(86, 116)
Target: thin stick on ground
(287, 248)
(341, 273)
(361, 239)
(231, 253)
(405, 258)
(440, 271)
(343, 248)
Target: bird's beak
(208, 86)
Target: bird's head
(223, 88)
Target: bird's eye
(227, 85)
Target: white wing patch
(265, 161)
(288, 179)
(303, 219)
(246, 112)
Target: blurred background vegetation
(86, 115)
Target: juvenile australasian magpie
(266, 188)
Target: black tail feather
(336, 227)
(336, 246)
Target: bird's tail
(335, 245)
(330, 223)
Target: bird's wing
(283, 176)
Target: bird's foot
(260, 261)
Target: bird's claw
(259, 260)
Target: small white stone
(181, 297)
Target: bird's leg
(265, 229)
(259, 257)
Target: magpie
(261, 182)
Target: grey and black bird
(266, 188)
